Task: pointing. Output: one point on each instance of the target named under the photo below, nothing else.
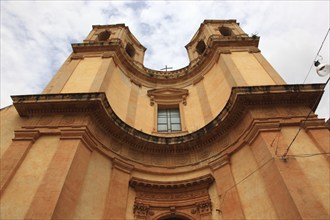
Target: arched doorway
(177, 216)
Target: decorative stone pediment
(168, 96)
(186, 197)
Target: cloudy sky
(36, 36)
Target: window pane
(162, 112)
(162, 120)
(162, 127)
(168, 120)
(175, 120)
(175, 127)
(174, 112)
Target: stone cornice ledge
(205, 180)
(98, 105)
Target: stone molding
(79, 133)
(121, 165)
(259, 126)
(26, 135)
(168, 96)
(313, 123)
(205, 180)
(160, 198)
(219, 162)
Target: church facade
(222, 138)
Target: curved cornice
(205, 180)
(240, 99)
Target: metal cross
(166, 68)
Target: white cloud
(36, 35)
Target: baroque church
(222, 138)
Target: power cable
(301, 126)
(224, 193)
(285, 155)
(307, 155)
(318, 52)
(294, 138)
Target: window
(168, 110)
(103, 36)
(225, 31)
(200, 48)
(168, 120)
(130, 50)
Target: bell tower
(111, 34)
(240, 55)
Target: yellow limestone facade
(111, 139)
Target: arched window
(103, 36)
(130, 50)
(225, 31)
(200, 47)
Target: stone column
(116, 203)
(58, 193)
(15, 154)
(230, 205)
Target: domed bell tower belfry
(112, 139)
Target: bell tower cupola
(119, 33)
(223, 33)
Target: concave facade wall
(88, 147)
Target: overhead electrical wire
(285, 155)
(301, 126)
(318, 52)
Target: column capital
(220, 162)
(120, 165)
(26, 135)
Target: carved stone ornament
(168, 96)
(155, 198)
(140, 210)
(205, 207)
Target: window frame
(169, 114)
(168, 98)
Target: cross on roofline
(166, 68)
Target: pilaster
(231, 72)
(58, 193)
(116, 202)
(277, 190)
(103, 76)
(15, 154)
(62, 76)
(292, 199)
(229, 198)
